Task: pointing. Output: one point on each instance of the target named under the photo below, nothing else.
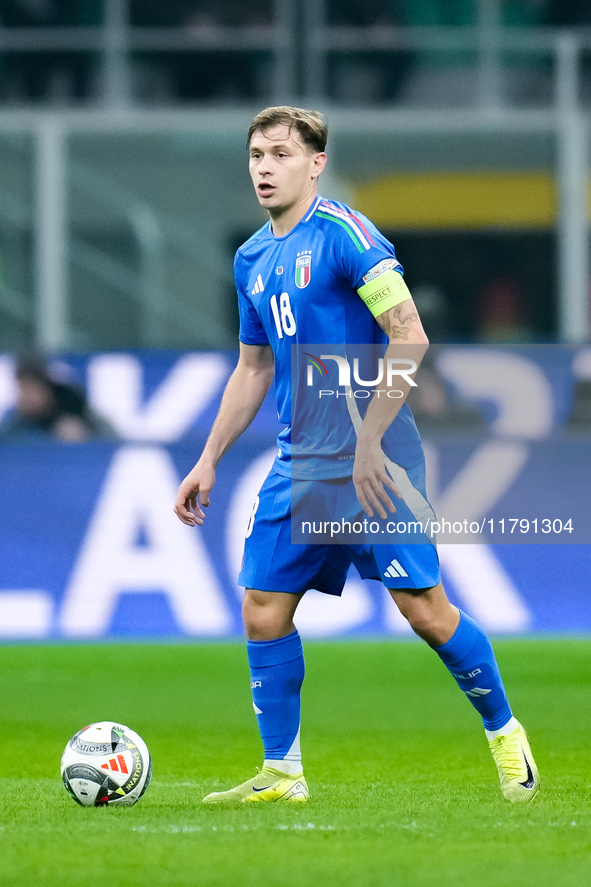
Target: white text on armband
(383, 292)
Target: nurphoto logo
(388, 369)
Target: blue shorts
(272, 562)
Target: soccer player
(318, 272)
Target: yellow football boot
(518, 773)
(268, 785)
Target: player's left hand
(372, 481)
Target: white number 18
(285, 322)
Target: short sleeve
(252, 331)
(368, 261)
(359, 248)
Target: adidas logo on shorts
(395, 570)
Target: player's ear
(319, 162)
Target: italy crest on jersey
(303, 269)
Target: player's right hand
(193, 495)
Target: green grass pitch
(404, 791)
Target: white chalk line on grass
(173, 829)
(282, 827)
(188, 829)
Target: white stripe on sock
(290, 768)
(511, 725)
(291, 764)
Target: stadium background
(461, 129)
(108, 558)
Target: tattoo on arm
(397, 321)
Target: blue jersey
(301, 289)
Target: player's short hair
(311, 126)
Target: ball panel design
(106, 763)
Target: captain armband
(383, 292)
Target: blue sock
(469, 657)
(276, 676)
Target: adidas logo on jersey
(258, 287)
(395, 570)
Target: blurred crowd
(51, 405)
(190, 75)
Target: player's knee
(431, 616)
(423, 623)
(253, 614)
(262, 620)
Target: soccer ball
(106, 763)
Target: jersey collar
(304, 219)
